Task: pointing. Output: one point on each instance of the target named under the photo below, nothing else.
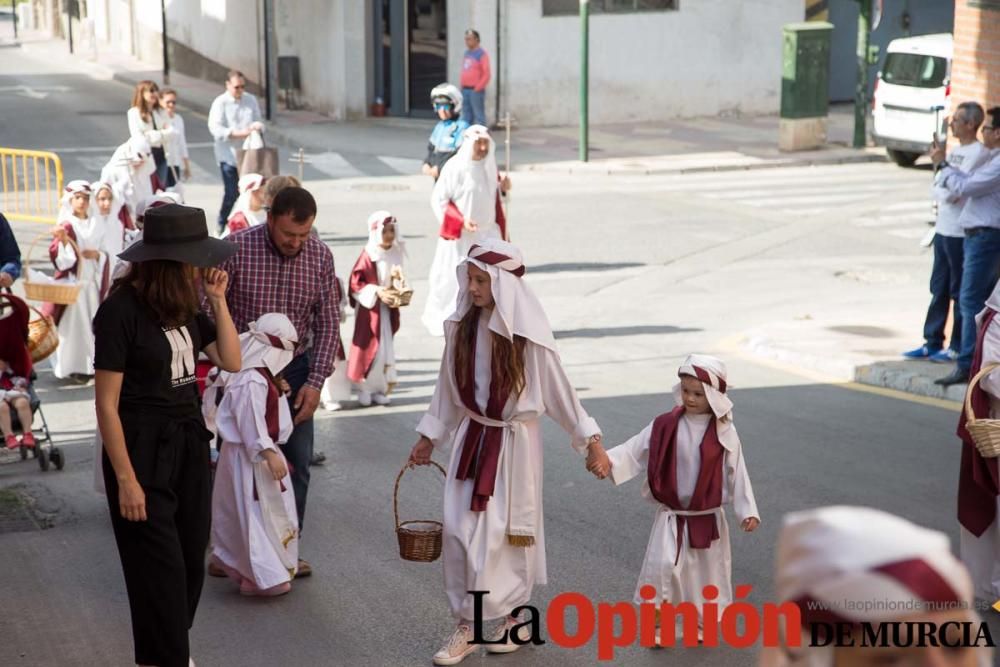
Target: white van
(914, 81)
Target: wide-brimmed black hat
(180, 234)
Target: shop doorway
(411, 53)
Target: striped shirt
(303, 287)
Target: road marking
(404, 165)
(111, 149)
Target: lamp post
(584, 79)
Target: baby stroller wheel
(56, 456)
(43, 458)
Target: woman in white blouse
(176, 143)
(147, 119)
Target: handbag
(451, 226)
(262, 160)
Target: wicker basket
(43, 337)
(418, 540)
(985, 432)
(63, 294)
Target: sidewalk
(718, 143)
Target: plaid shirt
(303, 287)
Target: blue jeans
(980, 268)
(230, 178)
(946, 285)
(474, 107)
(299, 448)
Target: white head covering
(517, 310)
(116, 201)
(449, 91)
(854, 558)
(161, 199)
(66, 202)
(712, 373)
(248, 184)
(463, 158)
(376, 222)
(132, 182)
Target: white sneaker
(508, 646)
(333, 406)
(456, 648)
(364, 398)
(381, 399)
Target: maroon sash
(454, 221)
(662, 475)
(270, 418)
(480, 455)
(978, 479)
(367, 321)
(54, 310)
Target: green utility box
(805, 70)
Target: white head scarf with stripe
(72, 189)
(712, 373)
(517, 311)
(247, 185)
(116, 201)
(376, 222)
(463, 158)
(863, 564)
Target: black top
(158, 363)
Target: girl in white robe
(372, 362)
(979, 538)
(130, 170)
(249, 209)
(254, 524)
(494, 536)
(75, 353)
(468, 187)
(673, 566)
(106, 206)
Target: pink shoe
(11, 442)
(28, 440)
(227, 571)
(250, 589)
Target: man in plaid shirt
(282, 267)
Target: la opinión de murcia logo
(738, 625)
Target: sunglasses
(441, 105)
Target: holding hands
(598, 462)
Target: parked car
(910, 101)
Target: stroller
(14, 316)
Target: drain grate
(14, 514)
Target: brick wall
(975, 73)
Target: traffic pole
(584, 78)
(861, 90)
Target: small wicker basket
(418, 540)
(985, 432)
(43, 336)
(63, 294)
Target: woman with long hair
(500, 373)
(146, 118)
(148, 334)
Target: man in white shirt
(233, 116)
(946, 274)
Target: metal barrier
(31, 184)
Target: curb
(886, 374)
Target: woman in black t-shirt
(148, 334)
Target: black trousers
(163, 558)
(299, 448)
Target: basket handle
(983, 372)
(395, 492)
(31, 249)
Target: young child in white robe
(249, 209)
(494, 537)
(855, 565)
(254, 524)
(692, 462)
(372, 361)
(86, 263)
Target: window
(913, 69)
(572, 7)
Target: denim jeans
(980, 268)
(299, 448)
(230, 178)
(946, 285)
(474, 106)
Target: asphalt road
(634, 273)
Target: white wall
(709, 57)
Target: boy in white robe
(857, 565)
(254, 525)
(372, 362)
(467, 207)
(494, 538)
(693, 464)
